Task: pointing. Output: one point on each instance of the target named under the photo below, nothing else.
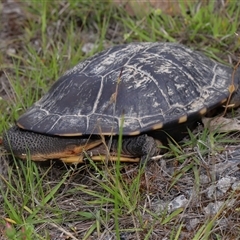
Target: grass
(114, 201)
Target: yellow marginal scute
(223, 101)
(134, 133)
(157, 126)
(70, 134)
(107, 133)
(182, 119)
(20, 126)
(203, 111)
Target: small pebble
(224, 183)
(179, 202)
(88, 47)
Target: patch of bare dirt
(12, 19)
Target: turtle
(129, 97)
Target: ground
(191, 192)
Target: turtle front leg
(142, 146)
(133, 148)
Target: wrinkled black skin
(22, 143)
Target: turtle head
(40, 147)
(20, 142)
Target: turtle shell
(137, 87)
